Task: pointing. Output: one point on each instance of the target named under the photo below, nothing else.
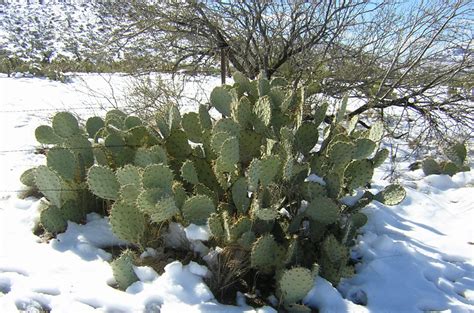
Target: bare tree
(415, 61)
(256, 36)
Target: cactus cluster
(244, 175)
(457, 161)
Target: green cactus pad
(323, 210)
(217, 140)
(313, 190)
(334, 250)
(380, 157)
(82, 149)
(71, 211)
(352, 124)
(129, 193)
(269, 168)
(246, 240)
(93, 125)
(46, 135)
(376, 132)
(341, 112)
(449, 168)
(431, 167)
(221, 100)
(340, 154)
(334, 183)
(266, 254)
(177, 144)
(127, 222)
(202, 189)
(132, 121)
(192, 126)
(249, 145)
(63, 162)
(263, 110)
(52, 220)
(49, 184)
(306, 137)
(229, 155)
(227, 125)
(65, 124)
(215, 226)
(158, 176)
(241, 226)
(204, 117)
(358, 173)
(294, 284)
(263, 86)
(265, 214)
(122, 269)
(456, 153)
(253, 174)
(188, 172)
(164, 210)
(122, 154)
(320, 113)
(103, 183)
(129, 175)
(391, 195)
(27, 178)
(358, 220)
(240, 195)
(364, 148)
(147, 199)
(147, 156)
(197, 209)
(180, 194)
(242, 112)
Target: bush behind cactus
(245, 176)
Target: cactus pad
(306, 137)
(177, 144)
(127, 222)
(192, 126)
(147, 156)
(65, 124)
(63, 162)
(221, 100)
(50, 184)
(204, 117)
(188, 172)
(122, 269)
(27, 178)
(52, 220)
(240, 195)
(376, 132)
(158, 176)
(93, 125)
(294, 284)
(363, 148)
(391, 195)
(266, 254)
(358, 173)
(456, 153)
(380, 157)
(197, 209)
(46, 135)
(103, 183)
(323, 210)
(129, 175)
(431, 167)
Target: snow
(414, 257)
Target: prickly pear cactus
(294, 284)
(122, 268)
(266, 181)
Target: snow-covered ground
(414, 257)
